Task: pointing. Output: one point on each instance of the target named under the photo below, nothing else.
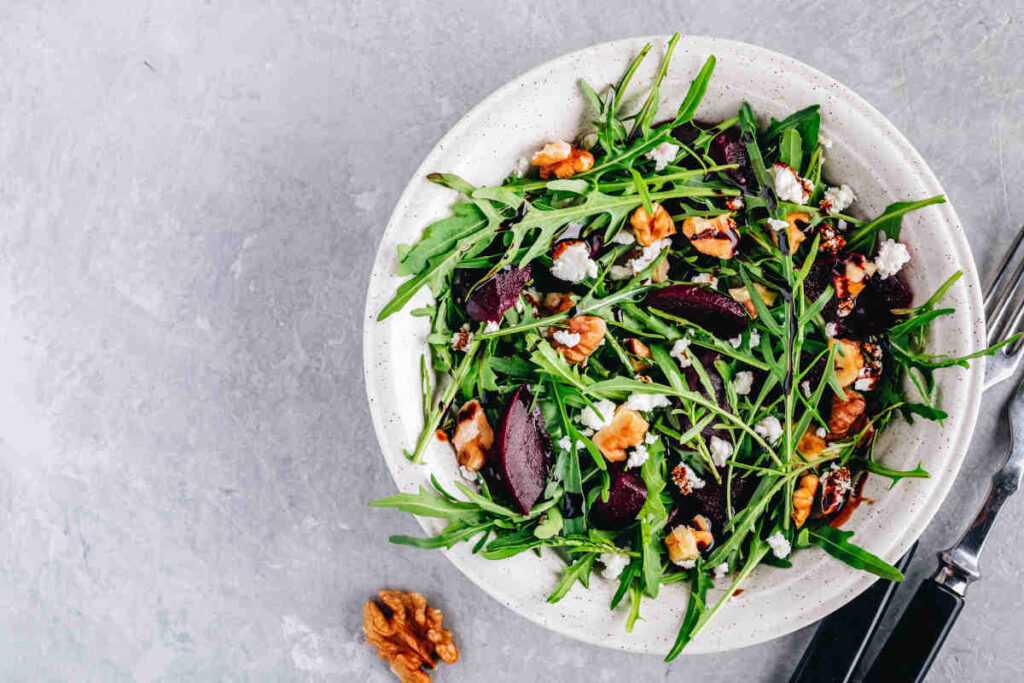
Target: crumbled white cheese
(743, 382)
(779, 545)
(805, 387)
(776, 224)
(769, 429)
(565, 443)
(864, 385)
(574, 264)
(721, 451)
(637, 456)
(650, 437)
(821, 431)
(825, 141)
(620, 273)
(467, 474)
(720, 570)
(686, 564)
(613, 563)
(589, 141)
(789, 187)
(841, 225)
(694, 481)
(566, 338)
(624, 237)
(663, 155)
(755, 338)
(588, 418)
(831, 330)
(892, 256)
(736, 341)
(587, 432)
(462, 338)
(837, 199)
(646, 402)
(649, 254)
(679, 352)
(706, 278)
(491, 326)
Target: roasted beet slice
(709, 500)
(626, 495)
(710, 309)
(728, 148)
(497, 294)
(523, 447)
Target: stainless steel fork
(1004, 312)
(918, 637)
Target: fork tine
(1013, 328)
(996, 284)
(1003, 307)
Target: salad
(666, 352)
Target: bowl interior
(867, 153)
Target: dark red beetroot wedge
(497, 294)
(626, 495)
(711, 310)
(728, 148)
(709, 500)
(524, 450)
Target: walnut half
(407, 632)
(473, 436)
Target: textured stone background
(190, 198)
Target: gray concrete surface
(190, 197)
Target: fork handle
(919, 635)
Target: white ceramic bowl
(868, 153)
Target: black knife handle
(835, 651)
(911, 648)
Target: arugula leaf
(699, 86)
(888, 222)
(918, 472)
(791, 150)
(579, 570)
(695, 608)
(836, 543)
(427, 504)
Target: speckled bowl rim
(504, 580)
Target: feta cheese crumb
(769, 429)
(686, 564)
(720, 570)
(624, 237)
(779, 545)
(491, 326)
(686, 479)
(650, 438)
(648, 255)
(663, 155)
(566, 338)
(588, 418)
(837, 199)
(742, 382)
(736, 341)
(805, 387)
(892, 256)
(721, 451)
(613, 564)
(864, 385)
(565, 443)
(755, 338)
(462, 338)
(821, 432)
(646, 402)
(706, 278)
(679, 352)
(789, 187)
(467, 474)
(637, 456)
(574, 264)
(831, 330)
(777, 225)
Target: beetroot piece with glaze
(489, 301)
(626, 495)
(523, 449)
(728, 148)
(710, 500)
(711, 310)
